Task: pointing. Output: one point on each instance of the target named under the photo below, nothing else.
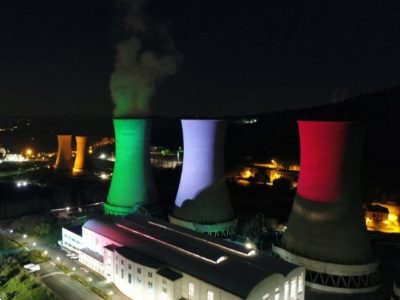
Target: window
(266, 297)
(129, 266)
(149, 274)
(191, 291)
(150, 285)
(300, 284)
(164, 281)
(122, 273)
(139, 270)
(122, 262)
(139, 280)
(129, 278)
(210, 295)
(164, 289)
(286, 291)
(116, 269)
(293, 289)
(276, 294)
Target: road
(60, 283)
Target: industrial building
(202, 202)
(147, 258)
(326, 232)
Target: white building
(72, 238)
(154, 260)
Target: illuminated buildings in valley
(148, 259)
(202, 202)
(382, 217)
(326, 232)
(164, 158)
(267, 173)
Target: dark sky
(239, 57)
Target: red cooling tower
(326, 231)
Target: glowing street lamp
(24, 236)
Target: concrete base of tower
(333, 277)
(222, 229)
(116, 210)
(76, 171)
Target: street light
(11, 231)
(58, 258)
(90, 279)
(34, 244)
(25, 236)
(73, 268)
(45, 252)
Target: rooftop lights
(171, 246)
(201, 239)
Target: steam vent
(64, 154)
(326, 232)
(79, 164)
(132, 185)
(202, 202)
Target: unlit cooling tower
(202, 202)
(79, 164)
(132, 185)
(326, 231)
(64, 155)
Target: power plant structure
(79, 164)
(64, 154)
(326, 232)
(202, 202)
(132, 185)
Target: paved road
(62, 284)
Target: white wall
(71, 240)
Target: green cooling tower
(132, 185)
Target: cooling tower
(79, 164)
(326, 231)
(202, 202)
(132, 186)
(64, 155)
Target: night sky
(237, 57)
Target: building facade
(151, 259)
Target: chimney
(132, 186)
(64, 155)
(326, 231)
(79, 164)
(202, 202)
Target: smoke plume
(143, 59)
